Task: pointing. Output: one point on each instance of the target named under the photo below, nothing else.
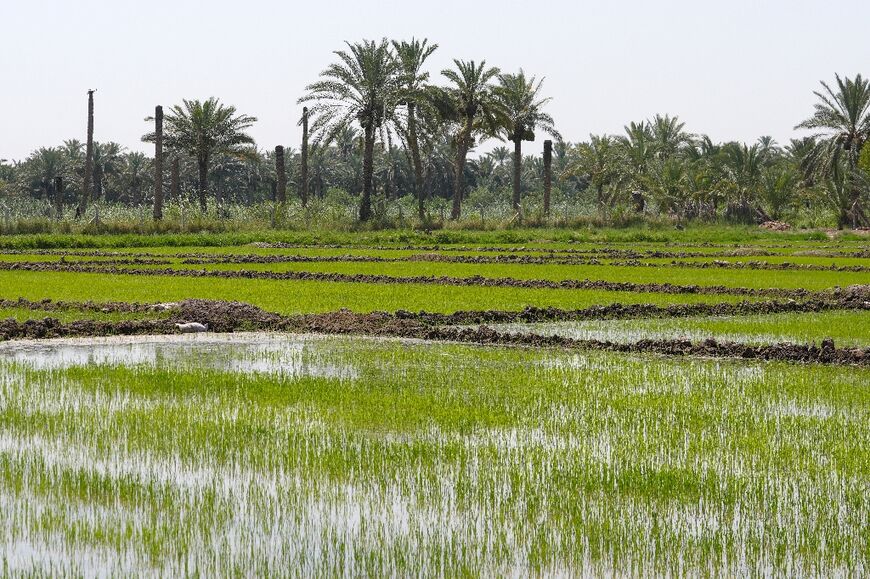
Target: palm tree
(743, 167)
(522, 103)
(415, 94)
(471, 103)
(778, 187)
(73, 166)
(363, 87)
(133, 174)
(600, 159)
(38, 171)
(668, 136)
(107, 161)
(667, 181)
(204, 129)
(842, 119)
(499, 155)
(639, 148)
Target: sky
(734, 70)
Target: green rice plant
(785, 279)
(287, 297)
(846, 328)
(382, 457)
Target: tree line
(375, 129)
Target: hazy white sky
(734, 70)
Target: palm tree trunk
(518, 168)
(281, 172)
(202, 185)
(414, 145)
(459, 175)
(548, 174)
(158, 163)
(365, 210)
(304, 172)
(89, 157)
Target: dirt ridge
(236, 316)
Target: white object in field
(191, 327)
(165, 306)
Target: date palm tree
(842, 122)
(363, 87)
(599, 160)
(38, 171)
(133, 174)
(638, 148)
(415, 95)
(668, 136)
(523, 107)
(471, 103)
(107, 161)
(205, 129)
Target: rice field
(302, 452)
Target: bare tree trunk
(304, 172)
(414, 145)
(202, 185)
(174, 186)
(518, 168)
(365, 210)
(89, 157)
(158, 163)
(281, 172)
(548, 174)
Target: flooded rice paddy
(846, 328)
(300, 455)
(252, 352)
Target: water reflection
(243, 352)
(621, 331)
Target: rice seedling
(254, 454)
(846, 328)
(284, 296)
(378, 457)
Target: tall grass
(33, 223)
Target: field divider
(727, 250)
(234, 316)
(117, 258)
(517, 260)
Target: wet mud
(236, 316)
